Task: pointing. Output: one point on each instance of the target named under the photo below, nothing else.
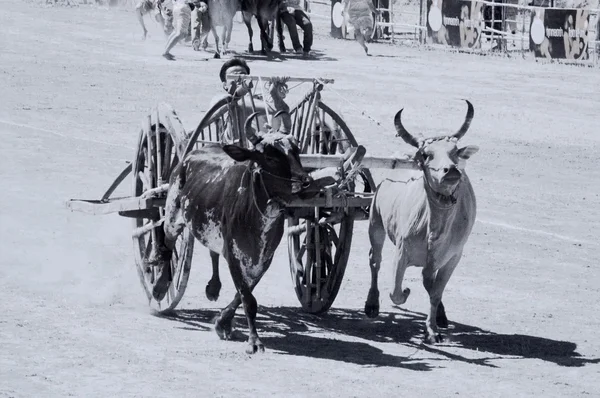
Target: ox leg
(245, 277)
(399, 296)
(227, 37)
(224, 322)
(264, 36)
(435, 283)
(248, 22)
(251, 308)
(214, 285)
(216, 36)
(377, 239)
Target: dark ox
(222, 13)
(428, 215)
(232, 200)
(265, 12)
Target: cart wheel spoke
(335, 239)
(333, 236)
(155, 161)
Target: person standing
(292, 13)
(360, 14)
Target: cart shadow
(387, 56)
(292, 332)
(278, 57)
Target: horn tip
(398, 114)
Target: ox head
(440, 159)
(278, 156)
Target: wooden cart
(319, 230)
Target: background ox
(428, 215)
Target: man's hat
(230, 63)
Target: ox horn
(402, 132)
(467, 123)
(250, 134)
(282, 128)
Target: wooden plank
(98, 207)
(352, 201)
(290, 79)
(370, 162)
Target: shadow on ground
(274, 56)
(290, 331)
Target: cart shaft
(370, 162)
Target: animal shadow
(562, 353)
(289, 331)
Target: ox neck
(261, 197)
(438, 201)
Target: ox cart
(319, 230)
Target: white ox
(428, 215)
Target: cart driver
(274, 102)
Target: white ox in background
(428, 215)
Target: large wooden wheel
(319, 251)
(222, 123)
(154, 161)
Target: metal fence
(535, 29)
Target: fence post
(423, 22)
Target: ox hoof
(224, 330)
(250, 48)
(432, 337)
(440, 319)
(372, 304)
(217, 56)
(213, 288)
(254, 347)
(263, 52)
(401, 298)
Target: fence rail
(488, 26)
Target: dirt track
(76, 83)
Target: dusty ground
(75, 84)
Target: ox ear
(467, 151)
(237, 153)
